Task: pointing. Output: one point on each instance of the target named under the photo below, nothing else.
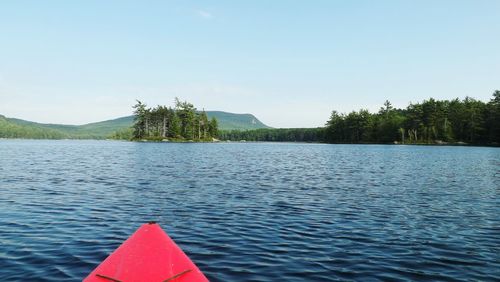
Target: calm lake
(254, 211)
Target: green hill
(13, 128)
(18, 128)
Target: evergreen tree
(182, 122)
(139, 120)
(213, 128)
(186, 113)
(204, 124)
(493, 118)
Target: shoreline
(457, 144)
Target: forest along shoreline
(431, 122)
(465, 122)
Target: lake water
(254, 211)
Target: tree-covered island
(181, 123)
(457, 121)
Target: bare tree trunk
(199, 130)
(164, 131)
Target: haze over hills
(18, 128)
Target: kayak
(147, 255)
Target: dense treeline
(183, 122)
(275, 135)
(430, 122)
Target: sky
(290, 63)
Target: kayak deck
(147, 255)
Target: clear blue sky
(288, 62)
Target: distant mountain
(18, 128)
(230, 121)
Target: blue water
(254, 211)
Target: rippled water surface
(254, 211)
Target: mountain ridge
(19, 128)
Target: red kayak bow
(148, 255)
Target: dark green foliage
(466, 121)
(492, 119)
(213, 126)
(430, 122)
(275, 135)
(123, 134)
(181, 123)
(140, 119)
